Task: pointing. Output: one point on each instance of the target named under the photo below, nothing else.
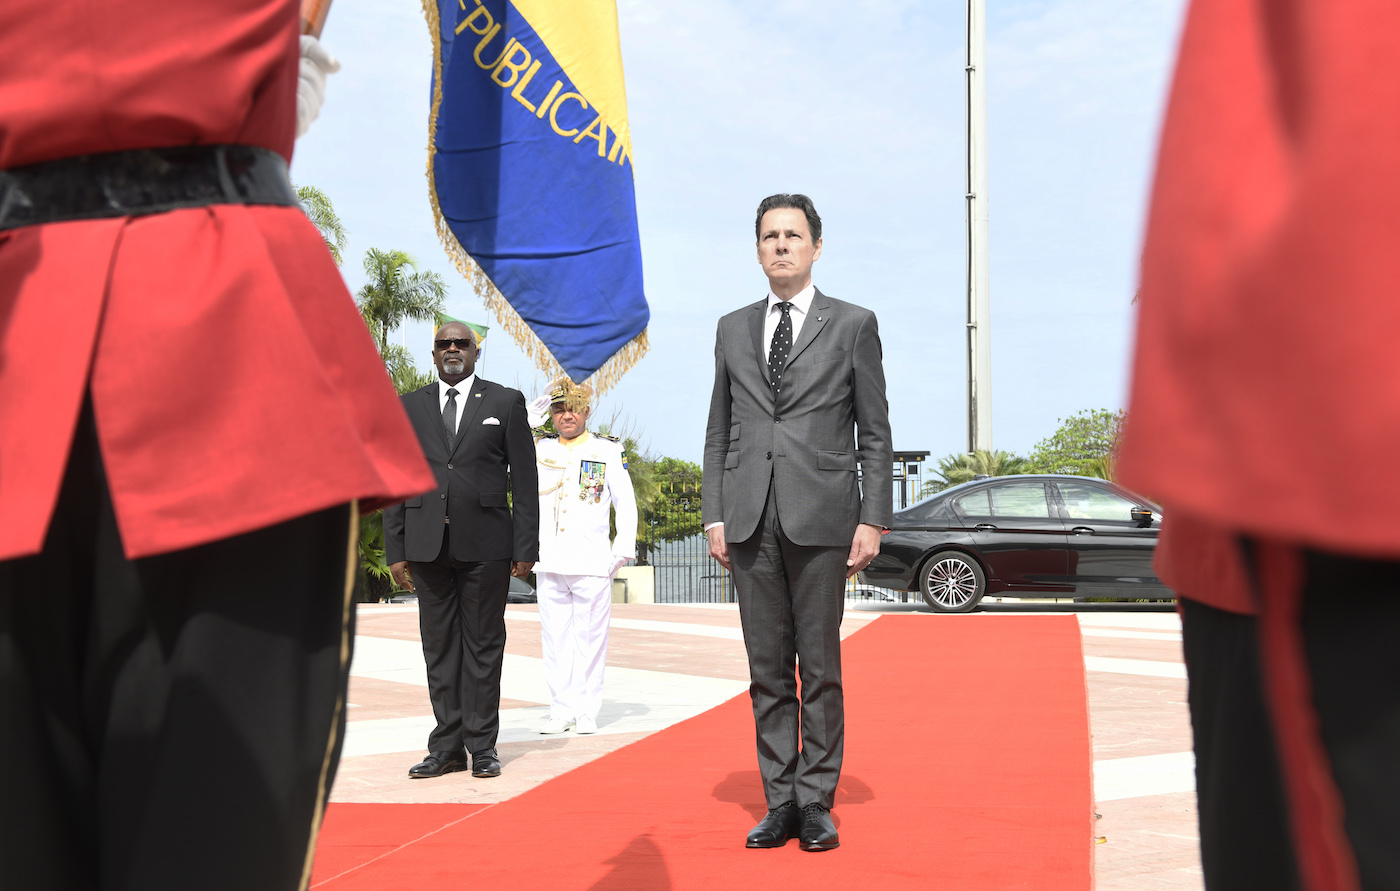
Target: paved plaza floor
(668, 663)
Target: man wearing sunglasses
(457, 547)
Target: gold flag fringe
(510, 321)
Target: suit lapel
(470, 407)
(759, 348)
(818, 314)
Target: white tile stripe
(388, 735)
(634, 700)
(1132, 635)
(1154, 621)
(1142, 667)
(522, 677)
(690, 628)
(1119, 778)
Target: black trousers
(462, 619)
(1248, 736)
(174, 721)
(791, 600)
(1240, 797)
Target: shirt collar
(801, 302)
(463, 387)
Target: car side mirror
(1141, 515)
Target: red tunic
(233, 382)
(1266, 385)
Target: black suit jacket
(472, 481)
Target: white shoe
(556, 725)
(586, 725)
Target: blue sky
(859, 105)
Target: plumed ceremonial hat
(574, 396)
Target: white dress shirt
(801, 303)
(464, 391)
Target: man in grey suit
(796, 375)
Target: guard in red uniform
(190, 410)
(1265, 414)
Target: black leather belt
(143, 181)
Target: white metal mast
(979, 297)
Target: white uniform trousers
(574, 614)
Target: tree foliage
(674, 514)
(395, 292)
(375, 578)
(1104, 467)
(1083, 445)
(317, 207)
(398, 361)
(639, 465)
(962, 468)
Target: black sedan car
(1022, 536)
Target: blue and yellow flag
(530, 172)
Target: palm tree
(398, 361)
(396, 291)
(317, 207)
(1104, 467)
(641, 466)
(962, 468)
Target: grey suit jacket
(806, 443)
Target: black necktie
(449, 414)
(780, 347)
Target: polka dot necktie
(781, 346)
(449, 414)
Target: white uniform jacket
(579, 481)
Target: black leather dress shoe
(486, 764)
(437, 764)
(818, 832)
(774, 830)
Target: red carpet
(967, 767)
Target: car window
(1085, 501)
(1019, 500)
(975, 504)
(1006, 500)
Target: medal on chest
(591, 476)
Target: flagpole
(313, 16)
(979, 299)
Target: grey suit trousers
(791, 599)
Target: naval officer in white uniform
(582, 475)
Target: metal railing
(671, 539)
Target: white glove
(538, 410)
(316, 64)
(618, 563)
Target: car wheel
(952, 582)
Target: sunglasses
(460, 343)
